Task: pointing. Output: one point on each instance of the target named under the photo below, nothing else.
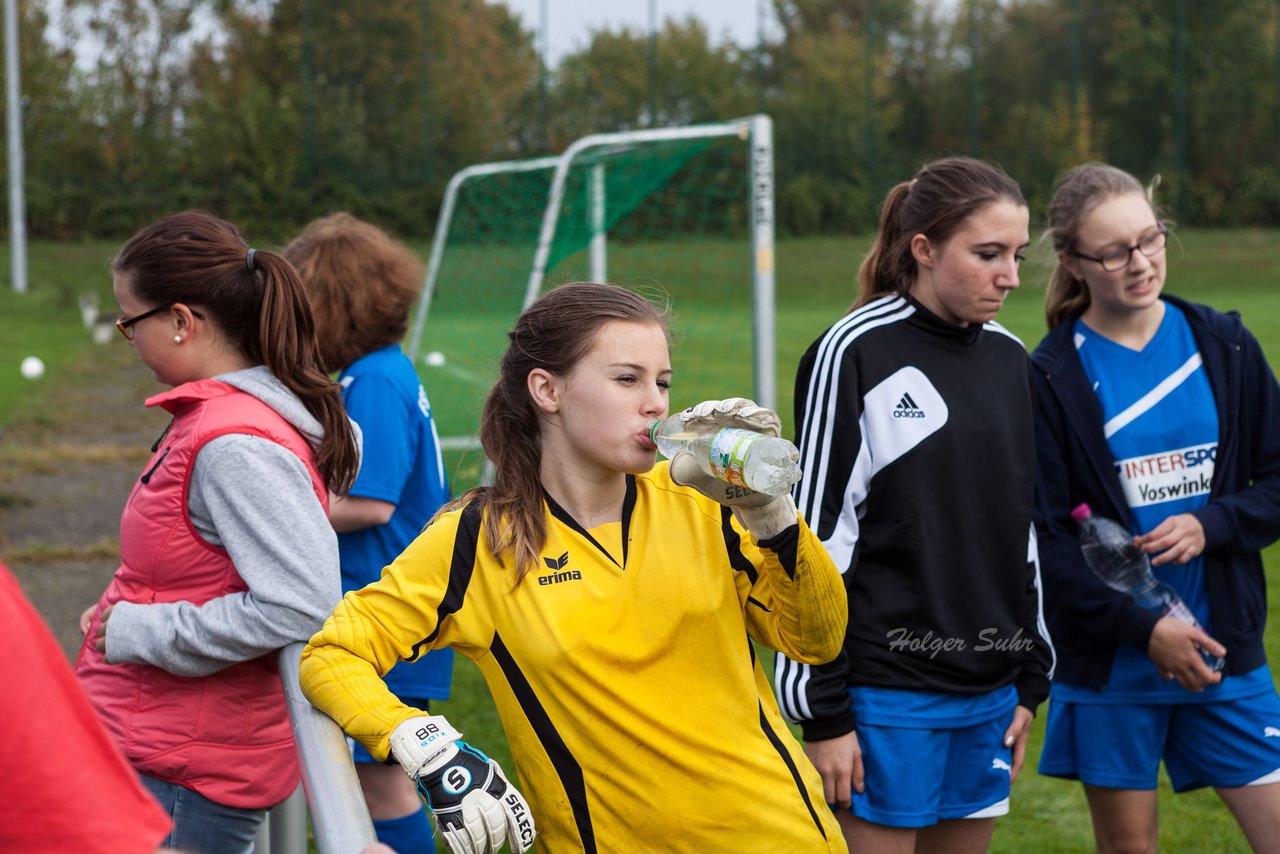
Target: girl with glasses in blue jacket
(1160, 414)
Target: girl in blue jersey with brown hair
(611, 606)
(1160, 414)
(362, 284)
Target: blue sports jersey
(401, 465)
(1161, 423)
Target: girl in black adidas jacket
(914, 420)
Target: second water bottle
(1116, 559)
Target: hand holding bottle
(729, 450)
(1114, 556)
(1178, 539)
(733, 440)
(1183, 652)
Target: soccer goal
(685, 212)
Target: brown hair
(200, 260)
(362, 284)
(935, 203)
(554, 334)
(1077, 194)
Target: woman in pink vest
(225, 546)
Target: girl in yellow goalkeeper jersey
(610, 604)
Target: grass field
(1227, 269)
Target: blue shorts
(360, 756)
(918, 777)
(1224, 745)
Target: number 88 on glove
(474, 806)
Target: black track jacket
(919, 470)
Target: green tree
(272, 111)
(396, 96)
(606, 86)
(834, 144)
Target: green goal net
(684, 214)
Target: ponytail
(888, 266)
(257, 301)
(287, 346)
(1066, 298)
(513, 521)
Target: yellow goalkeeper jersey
(633, 701)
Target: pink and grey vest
(225, 735)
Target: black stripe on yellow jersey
(567, 768)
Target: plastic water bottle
(1116, 559)
(752, 460)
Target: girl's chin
(979, 317)
(642, 464)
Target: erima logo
(1000, 765)
(907, 408)
(1271, 732)
(558, 571)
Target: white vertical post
(262, 842)
(599, 237)
(762, 259)
(288, 828)
(339, 816)
(13, 122)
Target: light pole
(653, 63)
(1180, 103)
(869, 72)
(310, 168)
(975, 121)
(13, 121)
(542, 74)
(760, 13)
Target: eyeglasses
(1150, 246)
(125, 324)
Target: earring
(177, 339)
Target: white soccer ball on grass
(32, 367)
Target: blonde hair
(1078, 194)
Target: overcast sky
(571, 22)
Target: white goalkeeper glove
(763, 515)
(474, 807)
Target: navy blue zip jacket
(1086, 618)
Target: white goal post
(593, 155)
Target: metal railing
(339, 817)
